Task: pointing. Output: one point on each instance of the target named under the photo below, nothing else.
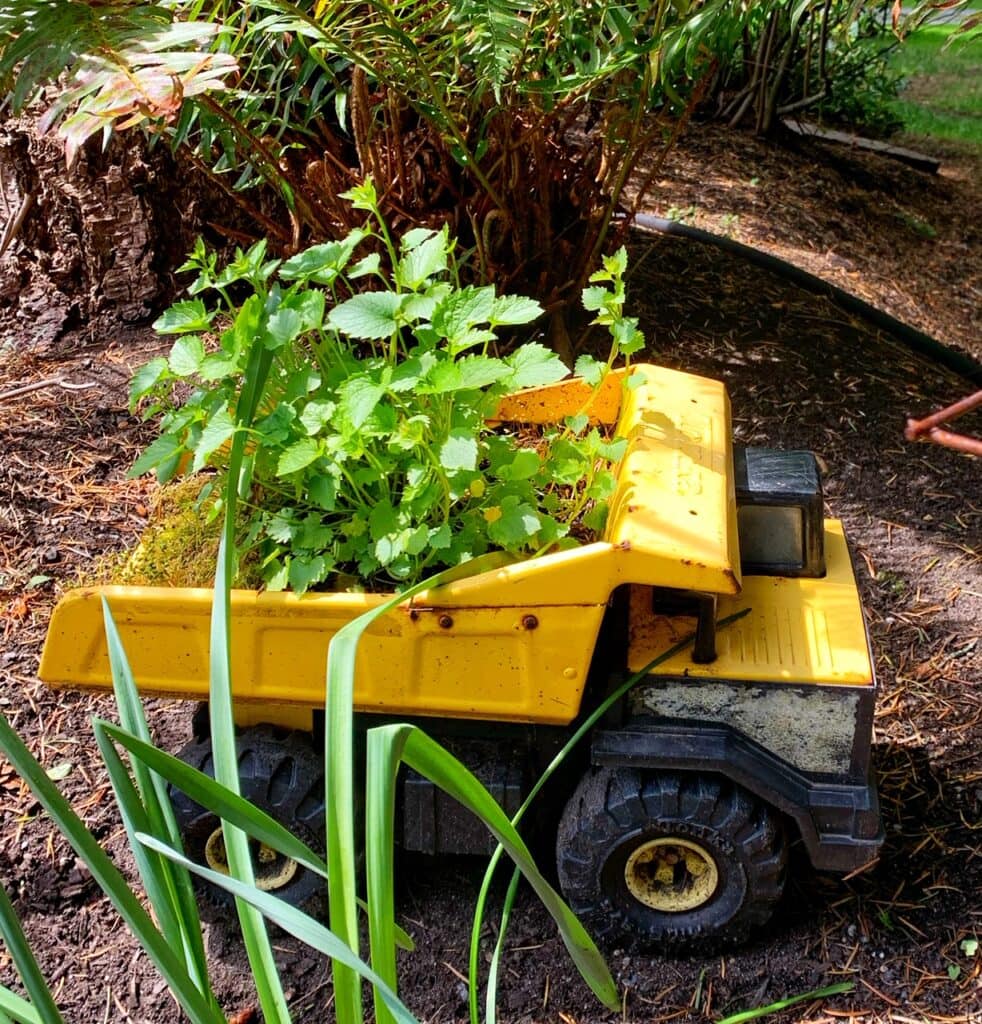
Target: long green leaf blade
(265, 974)
(171, 893)
(218, 799)
(840, 988)
(338, 772)
(42, 1002)
(15, 1008)
(383, 755)
(108, 877)
(590, 721)
(294, 921)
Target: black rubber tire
(616, 810)
(282, 774)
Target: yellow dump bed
(511, 644)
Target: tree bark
(94, 244)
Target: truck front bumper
(838, 818)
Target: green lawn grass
(942, 93)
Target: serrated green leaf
(517, 523)
(534, 365)
(441, 537)
(577, 424)
(359, 397)
(423, 260)
(298, 456)
(370, 316)
(310, 306)
(369, 264)
(317, 415)
(594, 298)
(595, 518)
(282, 327)
(281, 526)
(513, 310)
(383, 520)
(442, 378)
(186, 355)
(523, 467)
(216, 432)
(590, 369)
(164, 448)
(415, 237)
(184, 318)
(459, 451)
(481, 371)
(217, 365)
(305, 572)
(462, 310)
(145, 378)
(321, 263)
(323, 492)
(626, 335)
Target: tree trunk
(92, 245)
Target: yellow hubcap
(671, 875)
(272, 870)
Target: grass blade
(491, 996)
(294, 921)
(258, 949)
(14, 1008)
(169, 889)
(220, 800)
(338, 775)
(383, 754)
(42, 1006)
(157, 802)
(155, 873)
(217, 798)
(194, 1004)
(444, 770)
(590, 721)
(763, 1011)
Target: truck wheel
(282, 775)
(673, 861)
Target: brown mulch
(801, 373)
(907, 242)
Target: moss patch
(178, 548)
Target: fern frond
(496, 34)
(118, 63)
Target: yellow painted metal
(672, 524)
(554, 402)
(675, 497)
(671, 874)
(798, 630)
(507, 664)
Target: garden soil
(801, 373)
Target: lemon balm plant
(371, 456)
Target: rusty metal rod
(917, 427)
(959, 442)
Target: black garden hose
(960, 362)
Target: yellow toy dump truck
(753, 737)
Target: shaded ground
(800, 374)
(907, 242)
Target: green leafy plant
(371, 456)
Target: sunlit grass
(942, 94)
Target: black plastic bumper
(839, 821)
